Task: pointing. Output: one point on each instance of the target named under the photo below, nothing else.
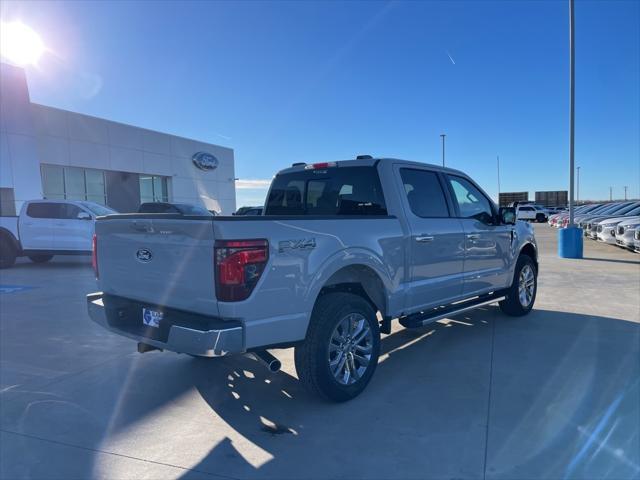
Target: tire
(513, 305)
(540, 218)
(8, 252)
(333, 315)
(40, 258)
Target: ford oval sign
(205, 161)
(144, 255)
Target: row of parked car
(615, 223)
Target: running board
(421, 319)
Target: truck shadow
(57, 263)
(555, 393)
(550, 395)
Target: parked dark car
(249, 211)
(180, 208)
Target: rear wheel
(40, 258)
(522, 294)
(8, 252)
(540, 218)
(340, 354)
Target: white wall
(19, 166)
(32, 134)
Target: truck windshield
(330, 191)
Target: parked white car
(532, 213)
(606, 229)
(625, 232)
(46, 228)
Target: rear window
(332, 191)
(424, 193)
(46, 210)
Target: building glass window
(95, 186)
(73, 183)
(153, 188)
(53, 182)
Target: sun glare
(19, 44)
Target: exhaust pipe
(143, 347)
(268, 360)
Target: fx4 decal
(302, 244)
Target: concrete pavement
(555, 394)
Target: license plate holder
(152, 318)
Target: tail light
(94, 254)
(239, 265)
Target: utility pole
(625, 192)
(443, 135)
(578, 192)
(610, 193)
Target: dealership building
(50, 153)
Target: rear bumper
(204, 336)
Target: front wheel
(522, 293)
(340, 354)
(8, 252)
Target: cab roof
(368, 161)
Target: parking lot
(555, 394)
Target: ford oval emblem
(144, 255)
(205, 161)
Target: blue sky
(285, 82)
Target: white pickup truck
(341, 249)
(46, 228)
(531, 213)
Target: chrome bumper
(180, 339)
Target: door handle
(473, 236)
(424, 238)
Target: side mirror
(84, 216)
(507, 215)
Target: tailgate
(159, 261)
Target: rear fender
(349, 258)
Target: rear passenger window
(45, 210)
(331, 191)
(424, 193)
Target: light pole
(572, 101)
(578, 186)
(570, 239)
(443, 135)
(498, 157)
(610, 193)
(625, 193)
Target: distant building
(51, 153)
(505, 198)
(556, 198)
